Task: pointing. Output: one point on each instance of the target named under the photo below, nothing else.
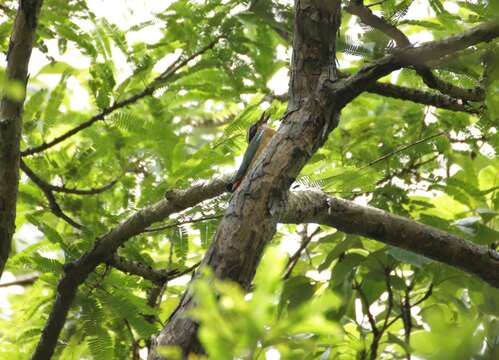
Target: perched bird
(259, 135)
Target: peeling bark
(20, 46)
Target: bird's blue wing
(247, 159)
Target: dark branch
(18, 55)
(430, 79)
(344, 90)
(414, 95)
(149, 90)
(147, 272)
(293, 260)
(365, 305)
(402, 148)
(63, 189)
(75, 273)
(188, 221)
(53, 204)
(421, 97)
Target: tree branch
(346, 216)
(293, 260)
(63, 189)
(156, 276)
(183, 222)
(345, 90)
(365, 305)
(22, 280)
(53, 205)
(302, 207)
(75, 273)
(401, 149)
(421, 97)
(357, 8)
(18, 55)
(414, 95)
(149, 90)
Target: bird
(259, 135)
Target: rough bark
(251, 218)
(18, 55)
(351, 218)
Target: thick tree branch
(147, 91)
(346, 216)
(357, 8)
(302, 207)
(251, 218)
(18, 55)
(421, 97)
(75, 273)
(347, 89)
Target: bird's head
(256, 126)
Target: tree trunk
(20, 46)
(250, 220)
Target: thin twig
(365, 304)
(401, 149)
(149, 90)
(63, 189)
(357, 8)
(147, 272)
(390, 299)
(135, 343)
(293, 260)
(22, 280)
(53, 204)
